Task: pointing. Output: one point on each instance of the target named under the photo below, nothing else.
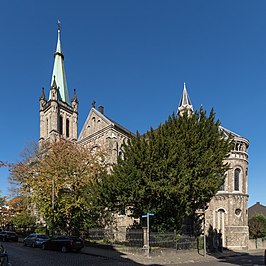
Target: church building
(228, 210)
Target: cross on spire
(58, 25)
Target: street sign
(148, 230)
(148, 214)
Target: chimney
(101, 109)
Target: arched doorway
(219, 224)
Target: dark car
(3, 256)
(8, 236)
(35, 240)
(64, 243)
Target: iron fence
(135, 238)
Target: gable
(95, 122)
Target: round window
(237, 212)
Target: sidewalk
(158, 257)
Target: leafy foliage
(257, 226)
(24, 220)
(171, 171)
(9, 209)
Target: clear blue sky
(133, 57)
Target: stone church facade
(227, 211)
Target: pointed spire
(43, 95)
(75, 98)
(59, 71)
(74, 101)
(185, 103)
(54, 86)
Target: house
(255, 209)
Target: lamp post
(204, 236)
(53, 206)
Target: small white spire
(185, 103)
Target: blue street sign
(148, 214)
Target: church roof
(59, 72)
(228, 132)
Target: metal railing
(135, 238)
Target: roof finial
(74, 98)
(93, 103)
(43, 95)
(54, 85)
(58, 25)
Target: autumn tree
(2, 210)
(2, 198)
(2, 202)
(171, 171)
(55, 181)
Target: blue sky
(132, 57)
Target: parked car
(35, 240)
(8, 236)
(3, 256)
(64, 243)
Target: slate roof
(256, 209)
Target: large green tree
(55, 182)
(171, 171)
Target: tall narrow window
(236, 179)
(60, 125)
(47, 127)
(67, 128)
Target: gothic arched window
(47, 127)
(237, 179)
(67, 128)
(60, 125)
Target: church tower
(227, 212)
(58, 117)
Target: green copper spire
(59, 71)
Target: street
(27, 256)
(22, 256)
